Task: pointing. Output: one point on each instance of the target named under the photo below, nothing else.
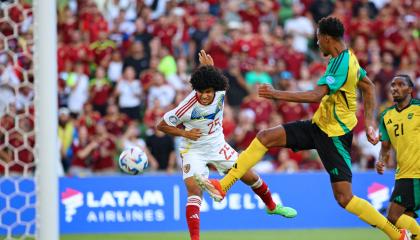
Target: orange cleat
(212, 186)
(405, 234)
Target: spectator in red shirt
(385, 75)
(89, 118)
(104, 154)
(82, 148)
(229, 123)
(361, 25)
(115, 121)
(245, 130)
(261, 106)
(218, 46)
(102, 48)
(100, 91)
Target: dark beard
(399, 99)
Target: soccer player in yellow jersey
(329, 132)
(400, 128)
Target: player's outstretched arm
(193, 134)
(267, 91)
(384, 157)
(368, 91)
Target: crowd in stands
(123, 63)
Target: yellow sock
(409, 223)
(246, 160)
(368, 214)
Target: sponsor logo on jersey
(389, 121)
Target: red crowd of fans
(123, 63)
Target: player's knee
(343, 199)
(265, 137)
(393, 218)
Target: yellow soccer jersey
(402, 128)
(336, 114)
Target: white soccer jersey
(208, 119)
(211, 147)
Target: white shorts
(222, 157)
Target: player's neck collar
(405, 107)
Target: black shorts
(333, 151)
(407, 193)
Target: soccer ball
(133, 160)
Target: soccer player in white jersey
(201, 114)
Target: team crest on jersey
(186, 168)
(410, 115)
(173, 119)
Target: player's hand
(380, 167)
(205, 59)
(371, 135)
(266, 91)
(193, 134)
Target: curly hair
(331, 26)
(206, 77)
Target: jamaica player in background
(400, 128)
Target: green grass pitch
(323, 234)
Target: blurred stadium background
(123, 63)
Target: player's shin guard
(261, 189)
(407, 222)
(370, 215)
(193, 216)
(246, 160)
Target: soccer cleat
(405, 234)
(287, 212)
(212, 186)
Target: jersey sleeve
(362, 73)
(336, 74)
(382, 128)
(177, 115)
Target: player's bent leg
(362, 209)
(192, 208)
(261, 189)
(253, 154)
(342, 192)
(394, 212)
